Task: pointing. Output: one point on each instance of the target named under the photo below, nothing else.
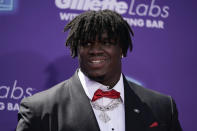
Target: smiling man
(100, 60)
(98, 97)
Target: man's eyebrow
(106, 38)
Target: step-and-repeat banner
(33, 56)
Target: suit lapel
(87, 120)
(138, 116)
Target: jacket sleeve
(175, 124)
(26, 117)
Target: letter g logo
(2, 106)
(63, 4)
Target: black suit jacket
(65, 107)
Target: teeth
(97, 61)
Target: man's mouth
(97, 61)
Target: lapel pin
(136, 111)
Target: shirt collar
(91, 86)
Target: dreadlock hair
(86, 26)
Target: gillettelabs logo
(143, 13)
(7, 5)
(10, 96)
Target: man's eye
(88, 44)
(107, 43)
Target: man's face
(100, 60)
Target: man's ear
(121, 53)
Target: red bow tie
(110, 94)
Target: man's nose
(96, 48)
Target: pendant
(104, 117)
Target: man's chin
(97, 78)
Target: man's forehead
(102, 36)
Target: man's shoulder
(50, 95)
(149, 95)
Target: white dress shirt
(117, 115)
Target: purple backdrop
(33, 56)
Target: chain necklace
(103, 115)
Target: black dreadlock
(88, 25)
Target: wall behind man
(33, 56)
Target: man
(98, 96)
